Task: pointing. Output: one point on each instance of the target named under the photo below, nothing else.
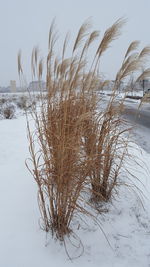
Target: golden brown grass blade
(144, 75)
(93, 36)
(83, 31)
(132, 47)
(65, 45)
(51, 33)
(110, 35)
(33, 62)
(40, 69)
(20, 71)
(144, 53)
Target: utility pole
(143, 85)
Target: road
(140, 118)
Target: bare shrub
(26, 102)
(8, 111)
(22, 102)
(3, 100)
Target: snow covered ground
(122, 94)
(22, 242)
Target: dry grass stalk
(106, 151)
(63, 172)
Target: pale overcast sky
(25, 23)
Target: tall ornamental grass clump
(74, 146)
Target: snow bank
(23, 243)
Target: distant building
(5, 89)
(37, 86)
(142, 85)
(111, 84)
(145, 84)
(13, 86)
